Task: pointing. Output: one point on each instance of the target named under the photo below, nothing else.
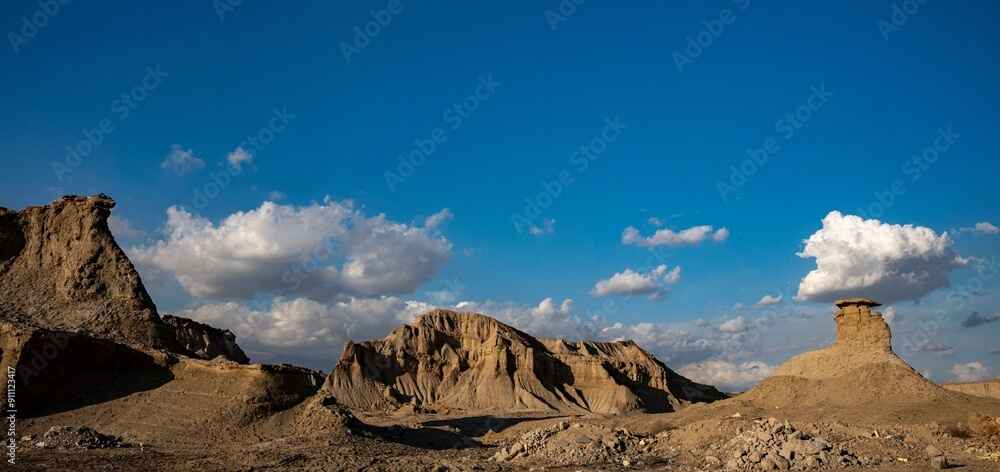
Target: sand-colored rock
(860, 367)
(987, 388)
(61, 269)
(465, 361)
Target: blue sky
(869, 99)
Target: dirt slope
(988, 388)
(465, 361)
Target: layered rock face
(465, 361)
(204, 341)
(60, 268)
(859, 327)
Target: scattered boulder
(774, 445)
(68, 437)
(447, 360)
(564, 444)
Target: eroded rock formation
(61, 269)
(860, 367)
(204, 341)
(465, 361)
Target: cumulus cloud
(122, 228)
(890, 316)
(769, 299)
(548, 226)
(181, 161)
(305, 330)
(976, 319)
(667, 237)
(436, 220)
(238, 158)
(970, 372)
(727, 375)
(735, 325)
(629, 282)
(321, 251)
(887, 262)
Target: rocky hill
(465, 361)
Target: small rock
(940, 462)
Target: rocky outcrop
(465, 361)
(205, 342)
(860, 367)
(61, 269)
(988, 388)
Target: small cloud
(667, 237)
(655, 222)
(629, 282)
(121, 227)
(438, 219)
(238, 157)
(738, 306)
(735, 325)
(976, 319)
(970, 372)
(181, 161)
(276, 196)
(548, 227)
(890, 316)
(983, 227)
(934, 348)
(768, 300)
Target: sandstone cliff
(60, 268)
(466, 361)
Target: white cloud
(655, 222)
(986, 227)
(181, 161)
(276, 196)
(727, 375)
(666, 237)
(769, 299)
(629, 282)
(122, 228)
(857, 257)
(438, 219)
(305, 330)
(890, 316)
(735, 325)
(548, 227)
(443, 296)
(322, 251)
(238, 158)
(970, 372)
